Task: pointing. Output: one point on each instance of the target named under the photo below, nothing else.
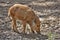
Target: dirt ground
(48, 12)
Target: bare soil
(48, 12)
